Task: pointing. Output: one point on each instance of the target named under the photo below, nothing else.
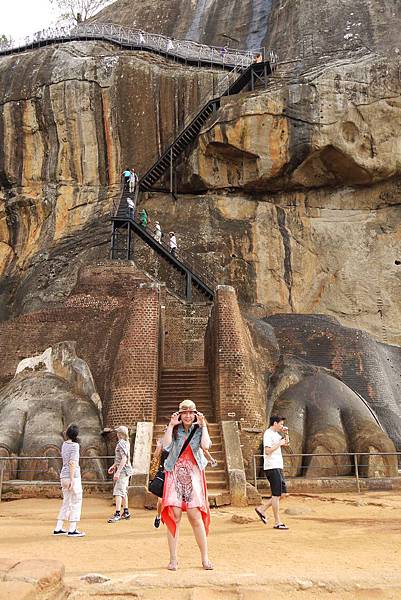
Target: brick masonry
(94, 316)
(135, 378)
(183, 331)
(236, 372)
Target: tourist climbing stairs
(125, 224)
(256, 71)
(192, 383)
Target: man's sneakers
(76, 533)
(60, 532)
(157, 522)
(118, 516)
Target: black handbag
(156, 486)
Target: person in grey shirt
(71, 486)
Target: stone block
(5, 565)
(42, 573)
(235, 463)
(142, 454)
(17, 590)
(137, 495)
(254, 498)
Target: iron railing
(188, 259)
(356, 462)
(185, 50)
(27, 474)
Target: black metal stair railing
(125, 221)
(194, 273)
(256, 71)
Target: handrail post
(188, 287)
(113, 240)
(171, 170)
(129, 241)
(358, 486)
(1, 476)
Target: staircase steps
(216, 477)
(178, 384)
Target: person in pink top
(185, 439)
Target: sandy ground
(342, 546)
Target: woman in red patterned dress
(185, 483)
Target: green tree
(79, 10)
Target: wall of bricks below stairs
(184, 327)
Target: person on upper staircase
(258, 58)
(173, 243)
(131, 208)
(133, 181)
(170, 45)
(158, 232)
(143, 218)
(126, 175)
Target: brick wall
(184, 328)
(135, 378)
(236, 372)
(94, 316)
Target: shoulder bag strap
(189, 438)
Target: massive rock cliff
(302, 30)
(71, 117)
(291, 193)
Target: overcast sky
(19, 18)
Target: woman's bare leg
(159, 507)
(173, 540)
(195, 518)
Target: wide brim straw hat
(123, 430)
(187, 405)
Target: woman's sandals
(208, 566)
(172, 566)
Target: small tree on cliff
(5, 42)
(79, 10)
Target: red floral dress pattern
(185, 487)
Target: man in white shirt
(273, 467)
(131, 208)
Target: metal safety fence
(188, 259)
(339, 465)
(45, 470)
(185, 50)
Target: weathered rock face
(239, 24)
(334, 252)
(335, 127)
(369, 368)
(35, 408)
(71, 118)
(300, 29)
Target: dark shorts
(277, 482)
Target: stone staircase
(193, 383)
(178, 384)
